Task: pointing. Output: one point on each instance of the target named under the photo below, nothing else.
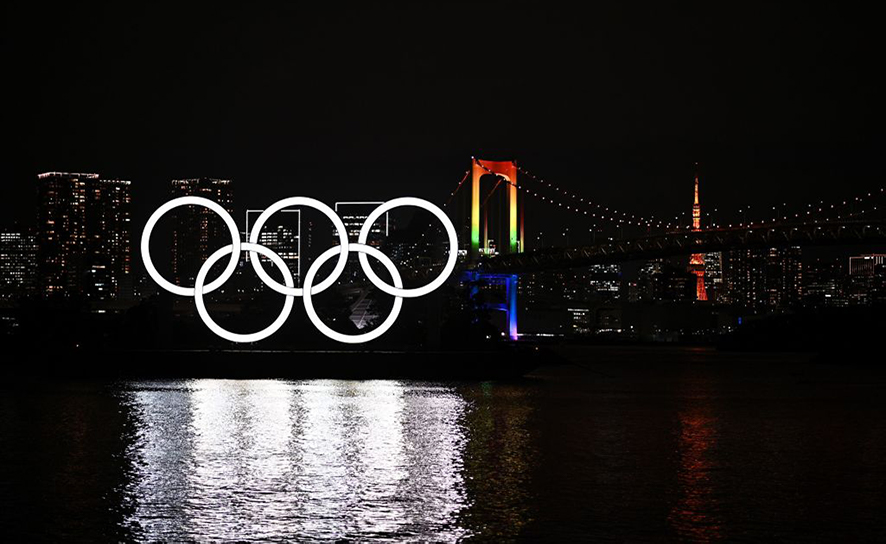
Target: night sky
(376, 102)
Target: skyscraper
(83, 235)
(864, 265)
(866, 274)
(761, 279)
(281, 234)
(61, 231)
(18, 262)
(354, 215)
(108, 247)
(824, 284)
(197, 231)
(713, 275)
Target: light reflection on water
(660, 445)
(695, 514)
(307, 460)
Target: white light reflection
(318, 460)
(241, 444)
(161, 458)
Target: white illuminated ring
(254, 248)
(342, 240)
(362, 249)
(215, 327)
(146, 245)
(398, 291)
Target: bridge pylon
(479, 225)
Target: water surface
(624, 445)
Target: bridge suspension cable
(820, 212)
(525, 191)
(682, 219)
(575, 208)
(460, 183)
(650, 222)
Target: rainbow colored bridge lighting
(508, 170)
(509, 306)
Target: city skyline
(751, 281)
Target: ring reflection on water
(321, 460)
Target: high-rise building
(18, 262)
(83, 236)
(581, 321)
(646, 280)
(661, 281)
(282, 235)
(865, 276)
(824, 284)
(761, 279)
(603, 280)
(713, 275)
(198, 231)
(864, 265)
(354, 215)
(61, 231)
(108, 245)
(878, 286)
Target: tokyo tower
(696, 262)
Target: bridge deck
(687, 242)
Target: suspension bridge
(846, 232)
(498, 252)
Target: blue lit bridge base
(509, 281)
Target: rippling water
(219, 459)
(628, 445)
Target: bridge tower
(696, 261)
(508, 306)
(479, 227)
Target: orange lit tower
(696, 262)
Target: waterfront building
(824, 284)
(18, 262)
(281, 234)
(763, 279)
(198, 231)
(83, 236)
(864, 265)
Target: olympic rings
(184, 201)
(357, 338)
(289, 290)
(336, 222)
(450, 231)
(215, 327)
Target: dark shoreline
(508, 363)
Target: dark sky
(375, 102)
